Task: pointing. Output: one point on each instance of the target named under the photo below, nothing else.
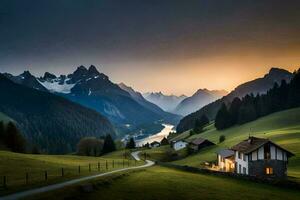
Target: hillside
(15, 165)
(201, 98)
(51, 122)
(257, 86)
(281, 127)
(4, 118)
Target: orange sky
(186, 76)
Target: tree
(13, 139)
(222, 138)
(109, 145)
(90, 146)
(164, 141)
(130, 144)
(2, 130)
(234, 110)
(200, 123)
(222, 120)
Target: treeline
(199, 125)
(11, 138)
(92, 146)
(251, 107)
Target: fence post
(46, 176)
(89, 167)
(113, 163)
(98, 166)
(106, 164)
(4, 182)
(27, 177)
(78, 169)
(62, 172)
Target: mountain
(26, 79)
(201, 98)
(51, 122)
(166, 102)
(94, 90)
(257, 86)
(138, 97)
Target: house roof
(199, 141)
(225, 153)
(253, 143)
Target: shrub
(222, 138)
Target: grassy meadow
(281, 127)
(164, 183)
(15, 166)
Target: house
(154, 144)
(261, 158)
(177, 145)
(199, 143)
(226, 162)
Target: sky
(172, 46)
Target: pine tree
(109, 145)
(2, 129)
(130, 144)
(222, 120)
(13, 139)
(234, 110)
(200, 123)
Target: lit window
(269, 170)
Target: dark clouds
(65, 33)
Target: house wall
(258, 168)
(179, 145)
(225, 164)
(241, 162)
(276, 154)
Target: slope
(257, 86)
(281, 127)
(49, 121)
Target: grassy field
(282, 128)
(15, 166)
(164, 183)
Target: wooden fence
(39, 176)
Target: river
(156, 137)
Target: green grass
(14, 166)
(282, 128)
(164, 183)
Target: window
(239, 155)
(244, 170)
(244, 157)
(267, 154)
(269, 170)
(240, 169)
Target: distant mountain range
(257, 86)
(51, 122)
(201, 98)
(94, 90)
(166, 102)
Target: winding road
(74, 181)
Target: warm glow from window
(269, 170)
